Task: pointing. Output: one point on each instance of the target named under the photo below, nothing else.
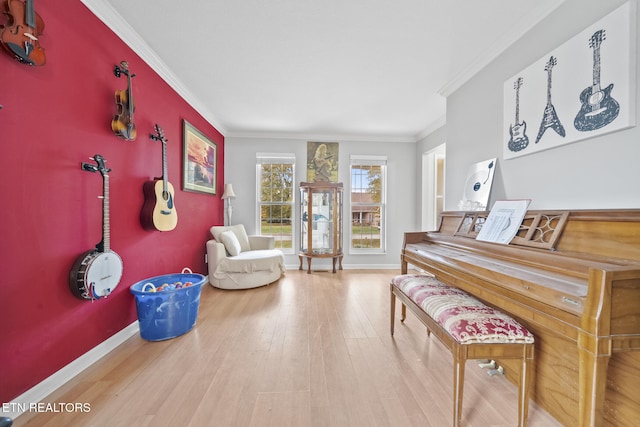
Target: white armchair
(239, 261)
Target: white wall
(426, 144)
(240, 161)
(601, 172)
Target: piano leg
(594, 349)
(593, 382)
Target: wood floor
(308, 350)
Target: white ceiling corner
(336, 70)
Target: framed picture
(199, 158)
(322, 161)
(585, 87)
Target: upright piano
(573, 279)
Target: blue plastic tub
(170, 313)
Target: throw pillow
(230, 242)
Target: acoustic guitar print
(518, 137)
(598, 107)
(550, 118)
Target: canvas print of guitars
(583, 88)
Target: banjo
(97, 272)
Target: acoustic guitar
(598, 108)
(97, 272)
(159, 209)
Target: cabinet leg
(334, 264)
(308, 265)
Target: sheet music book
(503, 221)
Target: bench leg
(393, 310)
(525, 387)
(459, 362)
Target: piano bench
(468, 328)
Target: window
(368, 199)
(275, 194)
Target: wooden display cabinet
(321, 226)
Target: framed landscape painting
(198, 161)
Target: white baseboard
(40, 391)
(328, 266)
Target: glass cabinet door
(322, 222)
(304, 223)
(339, 219)
(321, 219)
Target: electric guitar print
(159, 209)
(518, 137)
(550, 118)
(598, 107)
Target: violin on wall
(122, 124)
(20, 36)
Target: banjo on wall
(97, 272)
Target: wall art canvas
(322, 161)
(583, 88)
(198, 161)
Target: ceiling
(338, 69)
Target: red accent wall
(53, 118)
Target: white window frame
(369, 160)
(276, 158)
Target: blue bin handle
(144, 287)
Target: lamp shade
(228, 192)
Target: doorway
(433, 184)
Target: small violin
(122, 123)
(20, 36)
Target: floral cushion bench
(468, 328)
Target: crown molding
(322, 137)
(518, 30)
(112, 19)
(433, 126)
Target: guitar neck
(596, 69)
(518, 105)
(165, 178)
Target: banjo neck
(100, 166)
(106, 234)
